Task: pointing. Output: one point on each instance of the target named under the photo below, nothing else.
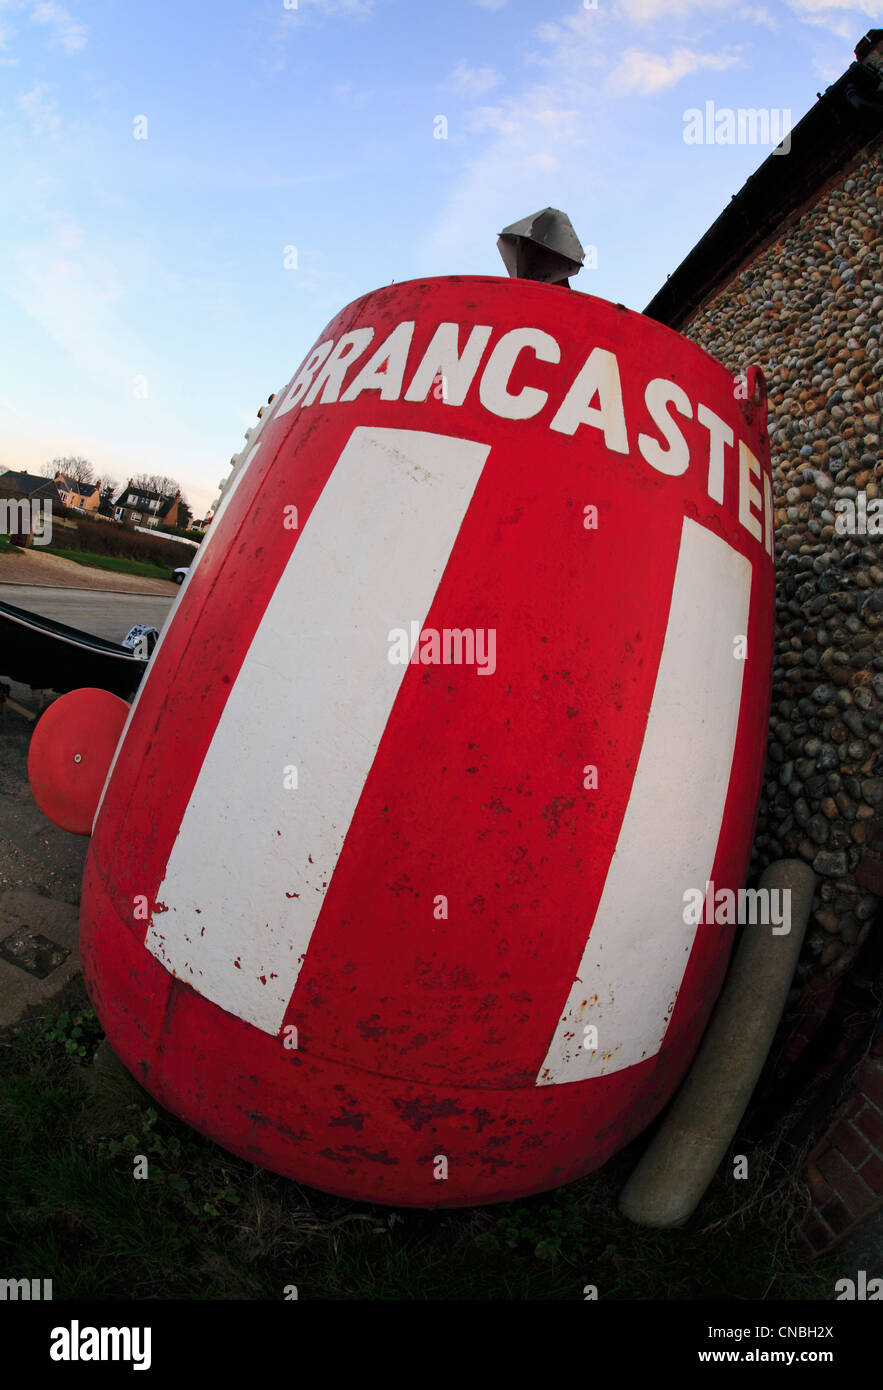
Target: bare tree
(157, 482)
(78, 469)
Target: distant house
(138, 506)
(28, 486)
(83, 497)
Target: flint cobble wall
(808, 310)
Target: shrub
(113, 538)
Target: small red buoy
(71, 750)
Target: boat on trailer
(48, 655)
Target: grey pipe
(685, 1153)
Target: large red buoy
(465, 693)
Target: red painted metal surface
(70, 752)
(421, 1037)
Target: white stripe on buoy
(639, 945)
(315, 692)
(232, 485)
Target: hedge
(113, 538)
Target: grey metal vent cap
(543, 247)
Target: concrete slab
(41, 868)
(38, 950)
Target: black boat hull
(48, 655)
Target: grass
(118, 564)
(205, 1225)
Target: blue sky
(145, 304)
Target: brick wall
(845, 1170)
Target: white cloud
(828, 72)
(533, 151)
(66, 31)
(545, 122)
(68, 236)
(281, 24)
(70, 296)
(473, 82)
(646, 11)
(333, 8)
(531, 160)
(544, 163)
(485, 118)
(76, 290)
(843, 28)
(559, 139)
(872, 8)
(6, 62)
(845, 18)
(352, 96)
(583, 25)
(579, 42)
(38, 108)
(640, 71)
(761, 16)
(649, 11)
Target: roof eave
(823, 143)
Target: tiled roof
(72, 485)
(24, 483)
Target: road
(102, 612)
